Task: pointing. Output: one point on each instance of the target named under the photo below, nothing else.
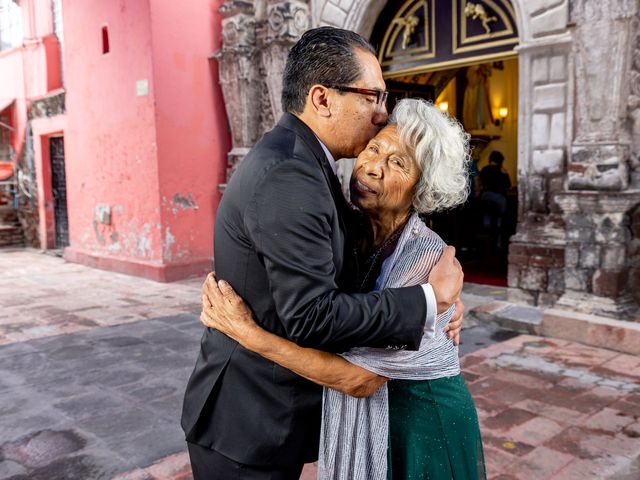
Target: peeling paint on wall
(183, 203)
(169, 240)
(143, 248)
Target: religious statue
(476, 109)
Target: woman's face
(384, 175)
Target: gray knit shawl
(354, 433)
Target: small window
(105, 40)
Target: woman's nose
(373, 168)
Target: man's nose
(381, 116)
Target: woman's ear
(320, 100)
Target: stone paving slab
(93, 366)
(42, 296)
(97, 402)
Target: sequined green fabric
(434, 431)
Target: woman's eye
(397, 161)
(373, 148)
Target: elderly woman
(424, 417)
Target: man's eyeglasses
(381, 95)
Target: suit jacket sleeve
(292, 231)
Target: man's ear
(320, 100)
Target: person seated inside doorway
(495, 183)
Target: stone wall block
(540, 70)
(556, 185)
(546, 299)
(558, 68)
(513, 275)
(575, 221)
(557, 131)
(555, 281)
(612, 228)
(549, 97)
(537, 194)
(610, 283)
(536, 7)
(548, 161)
(533, 278)
(598, 167)
(551, 21)
(578, 279)
(333, 15)
(590, 256)
(613, 257)
(540, 131)
(571, 256)
(518, 259)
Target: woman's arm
(232, 317)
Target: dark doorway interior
(59, 190)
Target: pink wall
(192, 133)
(110, 143)
(32, 70)
(154, 158)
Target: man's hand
(224, 310)
(455, 324)
(446, 279)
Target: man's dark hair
(496, 157)
(324, 56)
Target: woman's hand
(455, 324)
(225, 311)
(446, 279)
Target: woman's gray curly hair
(440, 147)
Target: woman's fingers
(230, 294)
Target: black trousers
(208, 464)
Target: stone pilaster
(604, 39)
(239, 78)
(285, 23)
(536, 251)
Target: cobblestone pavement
(99, 397)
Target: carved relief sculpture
(601, 150)
(477, 10)
(239, 78)
(409, 24)
(285, 23)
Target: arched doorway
(461, 56)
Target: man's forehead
(371, 73)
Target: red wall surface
(153, 156)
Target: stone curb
(619, 335)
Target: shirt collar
(332, 161)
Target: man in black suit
(282, 241)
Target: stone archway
(563, 73)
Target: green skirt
(434, 431)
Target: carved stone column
(603, 41)
(600, 198)
(285, 22)
(239, 78)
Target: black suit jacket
(280, 238)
